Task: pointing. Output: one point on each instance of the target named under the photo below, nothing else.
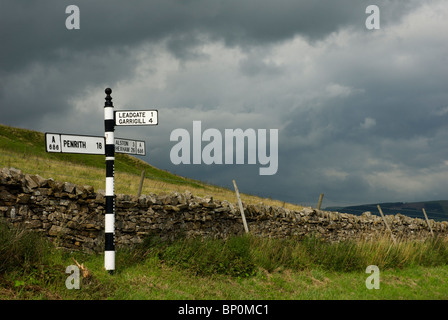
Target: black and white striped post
(109, 224)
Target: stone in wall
(72, 216)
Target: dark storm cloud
(361, 114)
(39, 53)
(35, 31)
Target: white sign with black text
(130, 146)
(136, 118)
(68, 143)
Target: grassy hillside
(25, 150)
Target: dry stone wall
(72, 216)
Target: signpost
(109, 216)
(111, 119)
(107, 145)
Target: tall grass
(31, 268)
(243, 256)
(21, 249)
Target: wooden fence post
(241, 207)
(385, 222)
(141, 184)
(427, 221)
(320, 201)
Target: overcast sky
(362, 115)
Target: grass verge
(245, 267)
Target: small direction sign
(130, 146)
(136, 118)
(68, 143)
